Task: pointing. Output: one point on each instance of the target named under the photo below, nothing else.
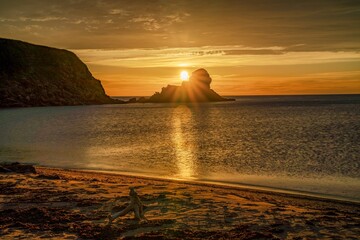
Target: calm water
(308, 143)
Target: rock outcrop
(32, 75)
(16, 168)
(197, 89)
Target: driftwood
(135, 205)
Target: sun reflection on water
(183, 142)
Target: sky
(249, 47)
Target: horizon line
(264, 95)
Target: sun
(184, 75)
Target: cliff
(32, 75)
(197, 89)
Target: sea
(308, 145)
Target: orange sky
(288, 73)
(248, 47)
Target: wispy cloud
(34, 19)
(153, 22)
(322, 25)
(211, 56)
(121, 12)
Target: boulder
(17, 168)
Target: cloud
(216, 56)
(121, 12)
(35, 19)
(147, 22)
(318, 25)
(151, 22)
(281, 39)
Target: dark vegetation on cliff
(32, 75)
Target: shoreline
(214, 183)
(224, 184)
(56, 203)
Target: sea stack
(33, 75)
(197, 89)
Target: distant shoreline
(271, 95)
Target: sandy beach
(70, 204)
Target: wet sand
(69, 204)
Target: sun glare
(184, 75)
